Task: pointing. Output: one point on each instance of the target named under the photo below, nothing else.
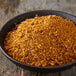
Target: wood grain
(11, 8)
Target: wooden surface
(11, 8)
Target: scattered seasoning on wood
(42, 41)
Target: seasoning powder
(42, 41)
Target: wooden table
(11, 8)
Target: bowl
(11, 23)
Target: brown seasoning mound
(42, 41)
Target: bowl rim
(38, 67)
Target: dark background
(11, 8)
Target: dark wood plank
(11, 8)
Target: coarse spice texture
(42, 41)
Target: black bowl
(10, 24)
